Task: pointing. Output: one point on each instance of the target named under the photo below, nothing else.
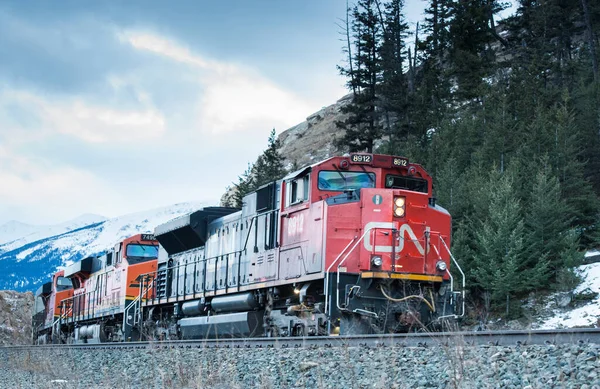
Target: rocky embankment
(455, 366)
(15, 317)
(313, 139)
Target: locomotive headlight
(399, 206)
(376, 260)
(441, 266)
(399, 212)
(399, 201)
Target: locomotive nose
(395, 230)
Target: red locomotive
(350, 245)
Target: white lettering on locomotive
(404, 229)
(296, 225)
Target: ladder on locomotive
(132, 315)
(63, 317)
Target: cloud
(233, 97)
(90, 122)
(99, 144)
(63, 191)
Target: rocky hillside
(313, 139)
(15, 317)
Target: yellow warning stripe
(401, 276)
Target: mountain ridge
(25, 267)
(14, 233)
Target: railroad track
(436, 339)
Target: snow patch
(592, 253)
(25, 253)
(15, 234)
(584, 316)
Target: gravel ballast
(458, 366)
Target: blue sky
(112, 107)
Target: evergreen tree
(244, 186)
(565, 157)
(269, 166)
(434, 89)
(362, 125)
(500, 250)
(547, 221)
(394, 83)
(471, 56)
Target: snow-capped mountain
(26, 266)
(16, 234)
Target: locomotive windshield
(406, 183)
(141, 251)
(340, 181)
(63, 283)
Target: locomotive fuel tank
(234, 302)
(193, 308)
(229, 325)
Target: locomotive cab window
(298, 190)
(141, 252)
(406, 183)
(340, 181)
(63, 283)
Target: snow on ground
(586, 315)
(592, 253)
(25, 253)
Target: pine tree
(471, 56)
(435, 85)
(244, 186)
(269, 165)
(547, 221)
(362, 126)
(394, 83)
(497, 265)
(267, 168)
(565, 156)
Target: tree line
(504, 114)
(268, 167)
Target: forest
(505, 115)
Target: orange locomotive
(95, 299)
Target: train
(354, 244)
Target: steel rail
(435, 339)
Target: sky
(113, 107)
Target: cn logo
(405, 233)
(296, 225)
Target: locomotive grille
(161, 283)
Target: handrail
(179, 265)
(461, 272)
(79, 297)
(337, 302)
(135, 301)
(136, 305)
(327, 273)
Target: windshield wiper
(141, 245)
(368, 175)
(340, 173)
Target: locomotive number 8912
(350, 245)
